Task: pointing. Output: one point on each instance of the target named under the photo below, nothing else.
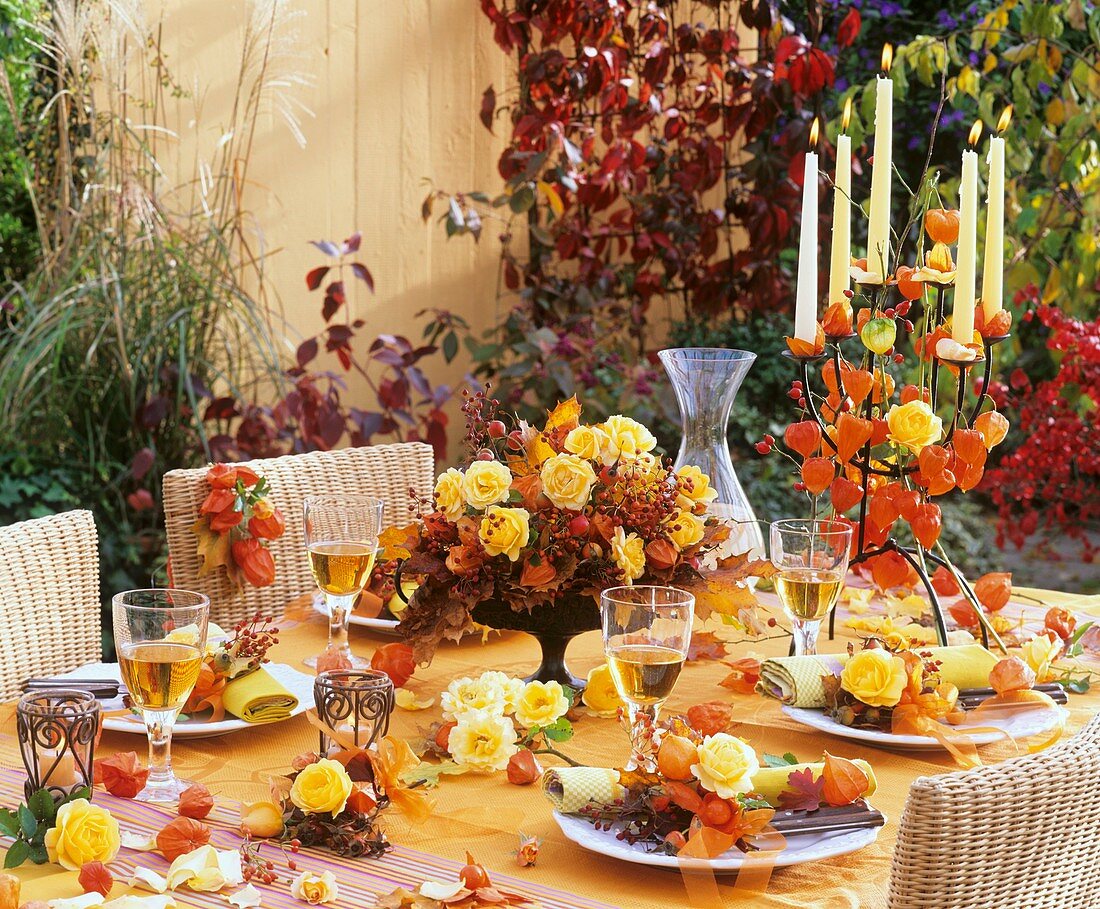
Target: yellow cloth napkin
(797, 680)
(569, 789)
(258, 698)
(768, 782)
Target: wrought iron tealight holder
(357, 703)
(57, 733)
(916, 555)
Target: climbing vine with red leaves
(655, 154)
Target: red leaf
(307, 350)
(706, 645)
(316, 276)
(488, 107)
(363, 274)
(848, 30)
(351, 244)
(805, 793)
(143, 460)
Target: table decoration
(236, 521)
(472, 888)
(539, 522)
(58, 730)
(355, 702)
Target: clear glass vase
(706, 381)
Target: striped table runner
(361, 880)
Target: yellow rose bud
(567, 481)
(262, 820)
(541, 704)
(875, 677)
(629, 438)
(449, 498)
(82, 833)
(486, 483)
(628, 552)
(314, 888)
(685, 529)
(1040, 653)
(322, 787)
(504, 531)
(726, 765)
(601, 696)
(590, 442)
(483, 741)
(914, 425)
(694, 487)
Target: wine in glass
(341, 535)
(812, 562)
(160, 638)
(646, 634)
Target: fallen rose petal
(246, 898)
(442, 890)
(407, 700)
(147, 879)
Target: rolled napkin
(569, 789)
(258, 697)
(797, 680)
(769, 782)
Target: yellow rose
(876, 677)
(315, 888)
(541, 704)
(567, 481)
(914, 425)
(322, 787)
(486, 483)
(467, 695)
(629, 438)
(685, 529)
(601, 696)
(504, 531)
(590, 442)
(483, 741)
(694, 487)
(1040, 653)
(628, 551)
(82, 833)
(726, 765)
(449, 498)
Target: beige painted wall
(397, 89)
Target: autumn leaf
(398, 542)
(842, 781)
(710, 718)
(744, 675)
(213, 548)
(706, 645)
(805, 792)
(565, 416)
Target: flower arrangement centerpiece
(529, 532)
(236, 521)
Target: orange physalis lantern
(881, 510)
(844, 494)
(993, 426)
(942, 225)
(993, 590)
(909, 288)
(803, 437)
(969, 444)
(817, 474)
(857, 384)
(933, 460)
(927, 524)
(852, 434)
(837, 321)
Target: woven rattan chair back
(387, 472)
(49, 598)
(1022, 833)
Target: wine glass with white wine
(646, 635)
(160, 637)
(341, 535)
(812, 561)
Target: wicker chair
(1021, 833)
(385, 471)
(49, 598)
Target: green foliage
(28, 823)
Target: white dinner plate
(297, 683)
(1019, 725)
(809, 847)
(382, 626)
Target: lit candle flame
(847, 116)
(887, 57)
(814, 130)
(975, 133)
(1006, 118)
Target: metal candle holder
(57, 732)
(361, 700)
(915, 555)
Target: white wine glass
(646, 635)
(812, 561)
(160, 638)
(341, 536)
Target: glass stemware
(341, 535)
(812, 561)
(160, 636)
(646, 634)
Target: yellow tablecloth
(484, 813)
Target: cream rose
(316, 889)
(590, 442)
(1040, 653)
(628, 551)
(685, 529)
(483, 741)
(567, 481)
(467, 695)
(629, 438)
(322, 787)
(449, 498)
(486, 483)
(541, 704)
(726, 765)
(876, 677)
(512, 688)
(694, 487)
(504, 531)
(914, 425)
(82, 833)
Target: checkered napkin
(569, 789)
